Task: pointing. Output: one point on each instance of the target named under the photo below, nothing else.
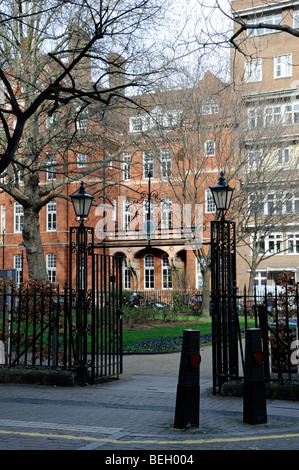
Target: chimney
(117, 72)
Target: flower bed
(162, 345)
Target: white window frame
(149, 272)
(253, 70)
(166, 162)
(17, 264)
(253, 157)
(210, 207)
(283, 66)
(127, 215)
(51, 267)
(293, 243)
(296, 18)
(210, 107)
(148, 164)
(209, 147)
(52, 216)
(136, 124)
(51, 166)
(18, 217)
(127, 166)
(283, 155)
(81, 160)
(127, 275)
(271, 18)
(166, 213)
(198, 277)
(272, 244)
(260, 278)
(167, 283)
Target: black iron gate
(95, 289)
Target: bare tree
(57, 72)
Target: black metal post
(187, 400)
(254, 401)
(83, 244)
(224, 311)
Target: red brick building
(177, 142)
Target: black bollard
(254, 403)
(187, 400)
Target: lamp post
(81, 246)
(223, 288)
(149, 195)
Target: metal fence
(39, 329)
(276, 312)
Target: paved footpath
(136, 413)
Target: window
(260, 278)
(271, 18)
(209, 148)
(126, 275)
(275, 243)
(51, 166)
(166, 273)
(149, 272)
(51, 266)
(293, 243)
(127, 215)
(256, 204)
(255, 118)
(159, 117)
(209, 202)
(271, 244)
(283, 66)
(2, 227)
(253, 70)
(272, 116)
(296, 18)
(210, 107)
(199, 279)
(283, 155)
(81, 160)
(126, 166)
(166, 213)
(113, 212)
(82, 120)
(17, 264)
(51, 216)
(136, 124)
(19, 217)
(253, 157)
(165, 162)
(148, 164)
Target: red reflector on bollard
(258, 357)
(195, 360)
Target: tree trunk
(34, 248)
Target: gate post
(224, 311)
(81, 246)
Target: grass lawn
(165, 337)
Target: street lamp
(222, 195)
(150, 195)
(82, 203)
